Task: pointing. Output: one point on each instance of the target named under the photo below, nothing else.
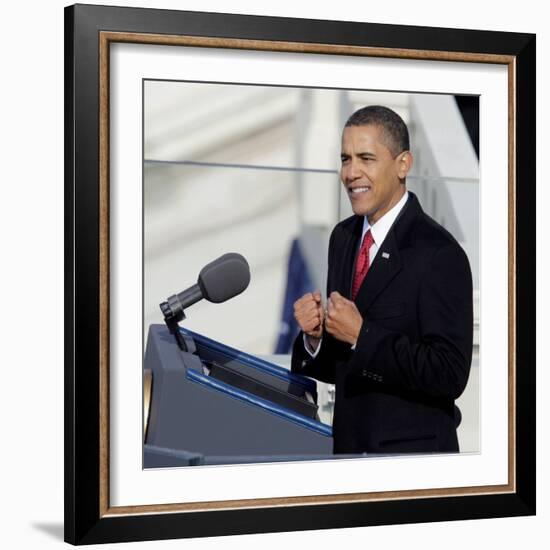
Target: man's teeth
(359, 189)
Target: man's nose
(353, 172)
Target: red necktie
(362, 264)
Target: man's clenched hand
(309, 314)
(343, 319)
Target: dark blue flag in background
(298, 282)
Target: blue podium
(213, 404)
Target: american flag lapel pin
(385, 255)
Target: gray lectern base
(160, 457)
(215, 401)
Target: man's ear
(405, 162)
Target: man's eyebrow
(362, 154)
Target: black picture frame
(88, 516)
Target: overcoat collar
(387, 263)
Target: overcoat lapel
(347, 264)
(387, 263)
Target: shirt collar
(380, 229)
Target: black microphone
(218, 281)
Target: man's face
(370, 173)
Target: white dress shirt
(379, 230)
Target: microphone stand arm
(173, 314)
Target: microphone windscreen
(224, 278)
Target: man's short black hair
(394, 129)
